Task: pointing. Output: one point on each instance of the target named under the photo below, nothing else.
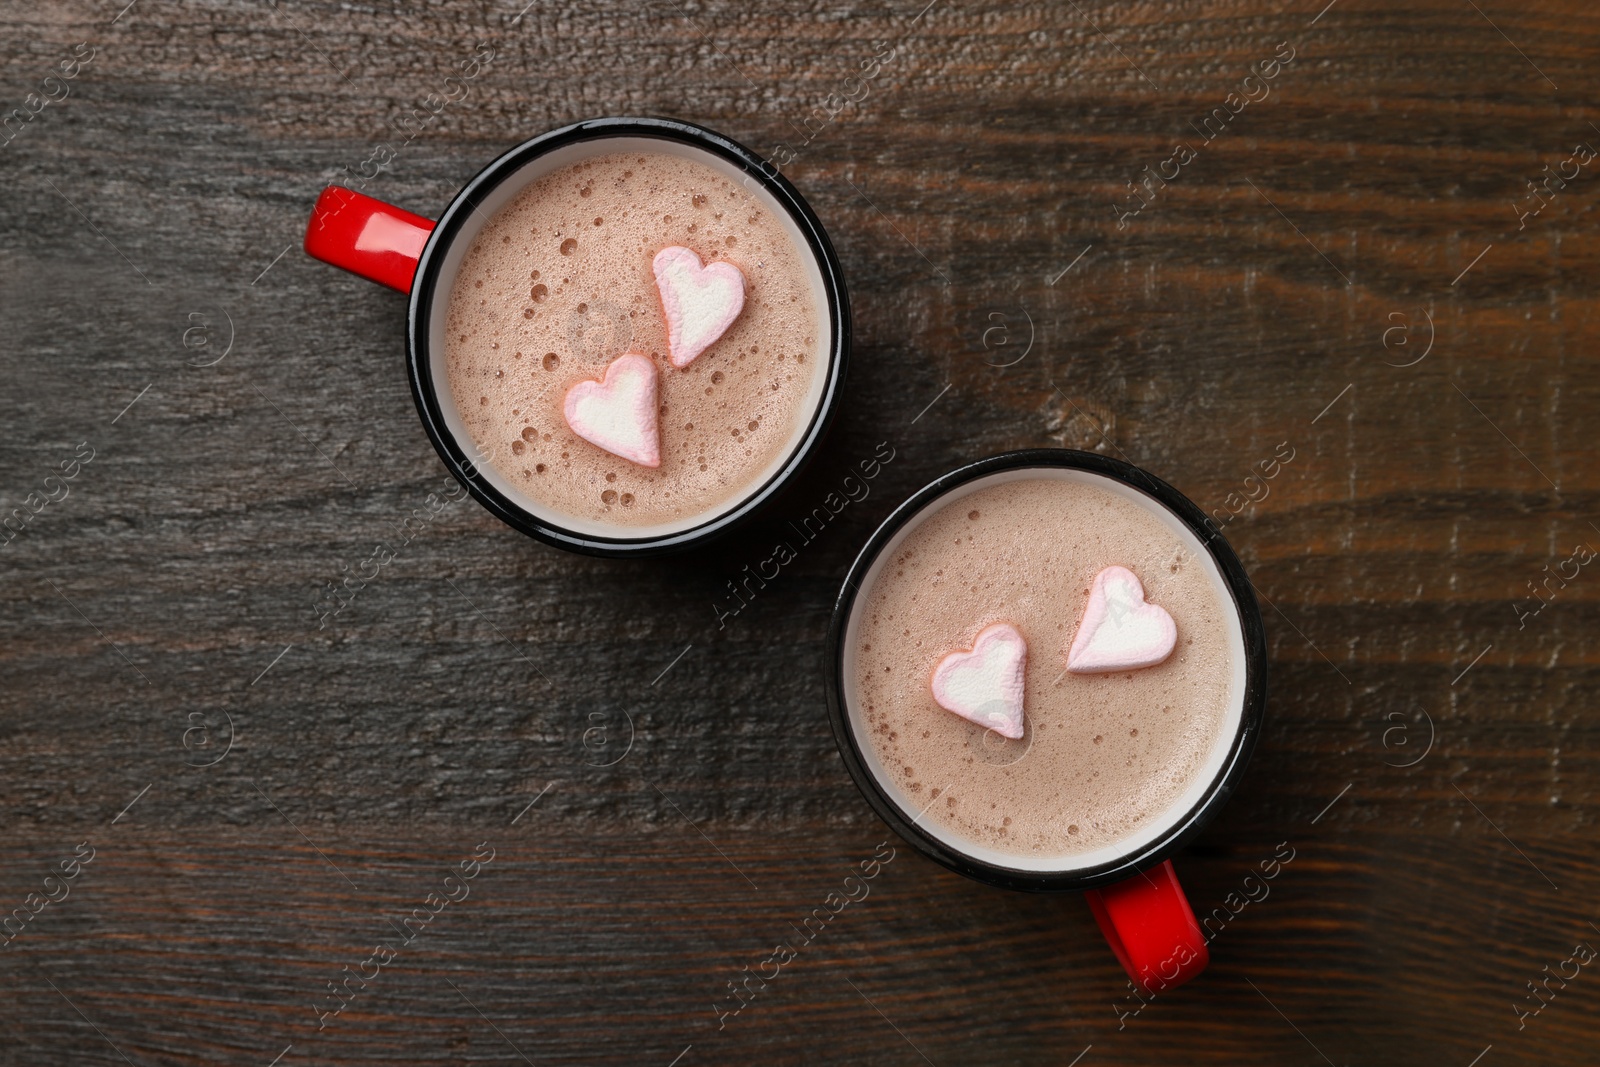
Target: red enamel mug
(419, 256)
(1131, 887)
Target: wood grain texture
(1252, 302)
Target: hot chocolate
(1106, 758)
(560, 283)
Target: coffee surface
(1102, 754)
(559, 283)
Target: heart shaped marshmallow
(700, 302)
(1120, 631)
(985, 685)
(618, 413)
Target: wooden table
(1348, 261)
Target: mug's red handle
(1151, 928)
(378, 241)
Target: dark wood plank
(1253, 302)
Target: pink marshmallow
(700, 302)
(1120, 631)
(985, 685)
(618, 413)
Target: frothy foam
(559, 283)
(1104, 755)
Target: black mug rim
(429, 265)
(1216, 794)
